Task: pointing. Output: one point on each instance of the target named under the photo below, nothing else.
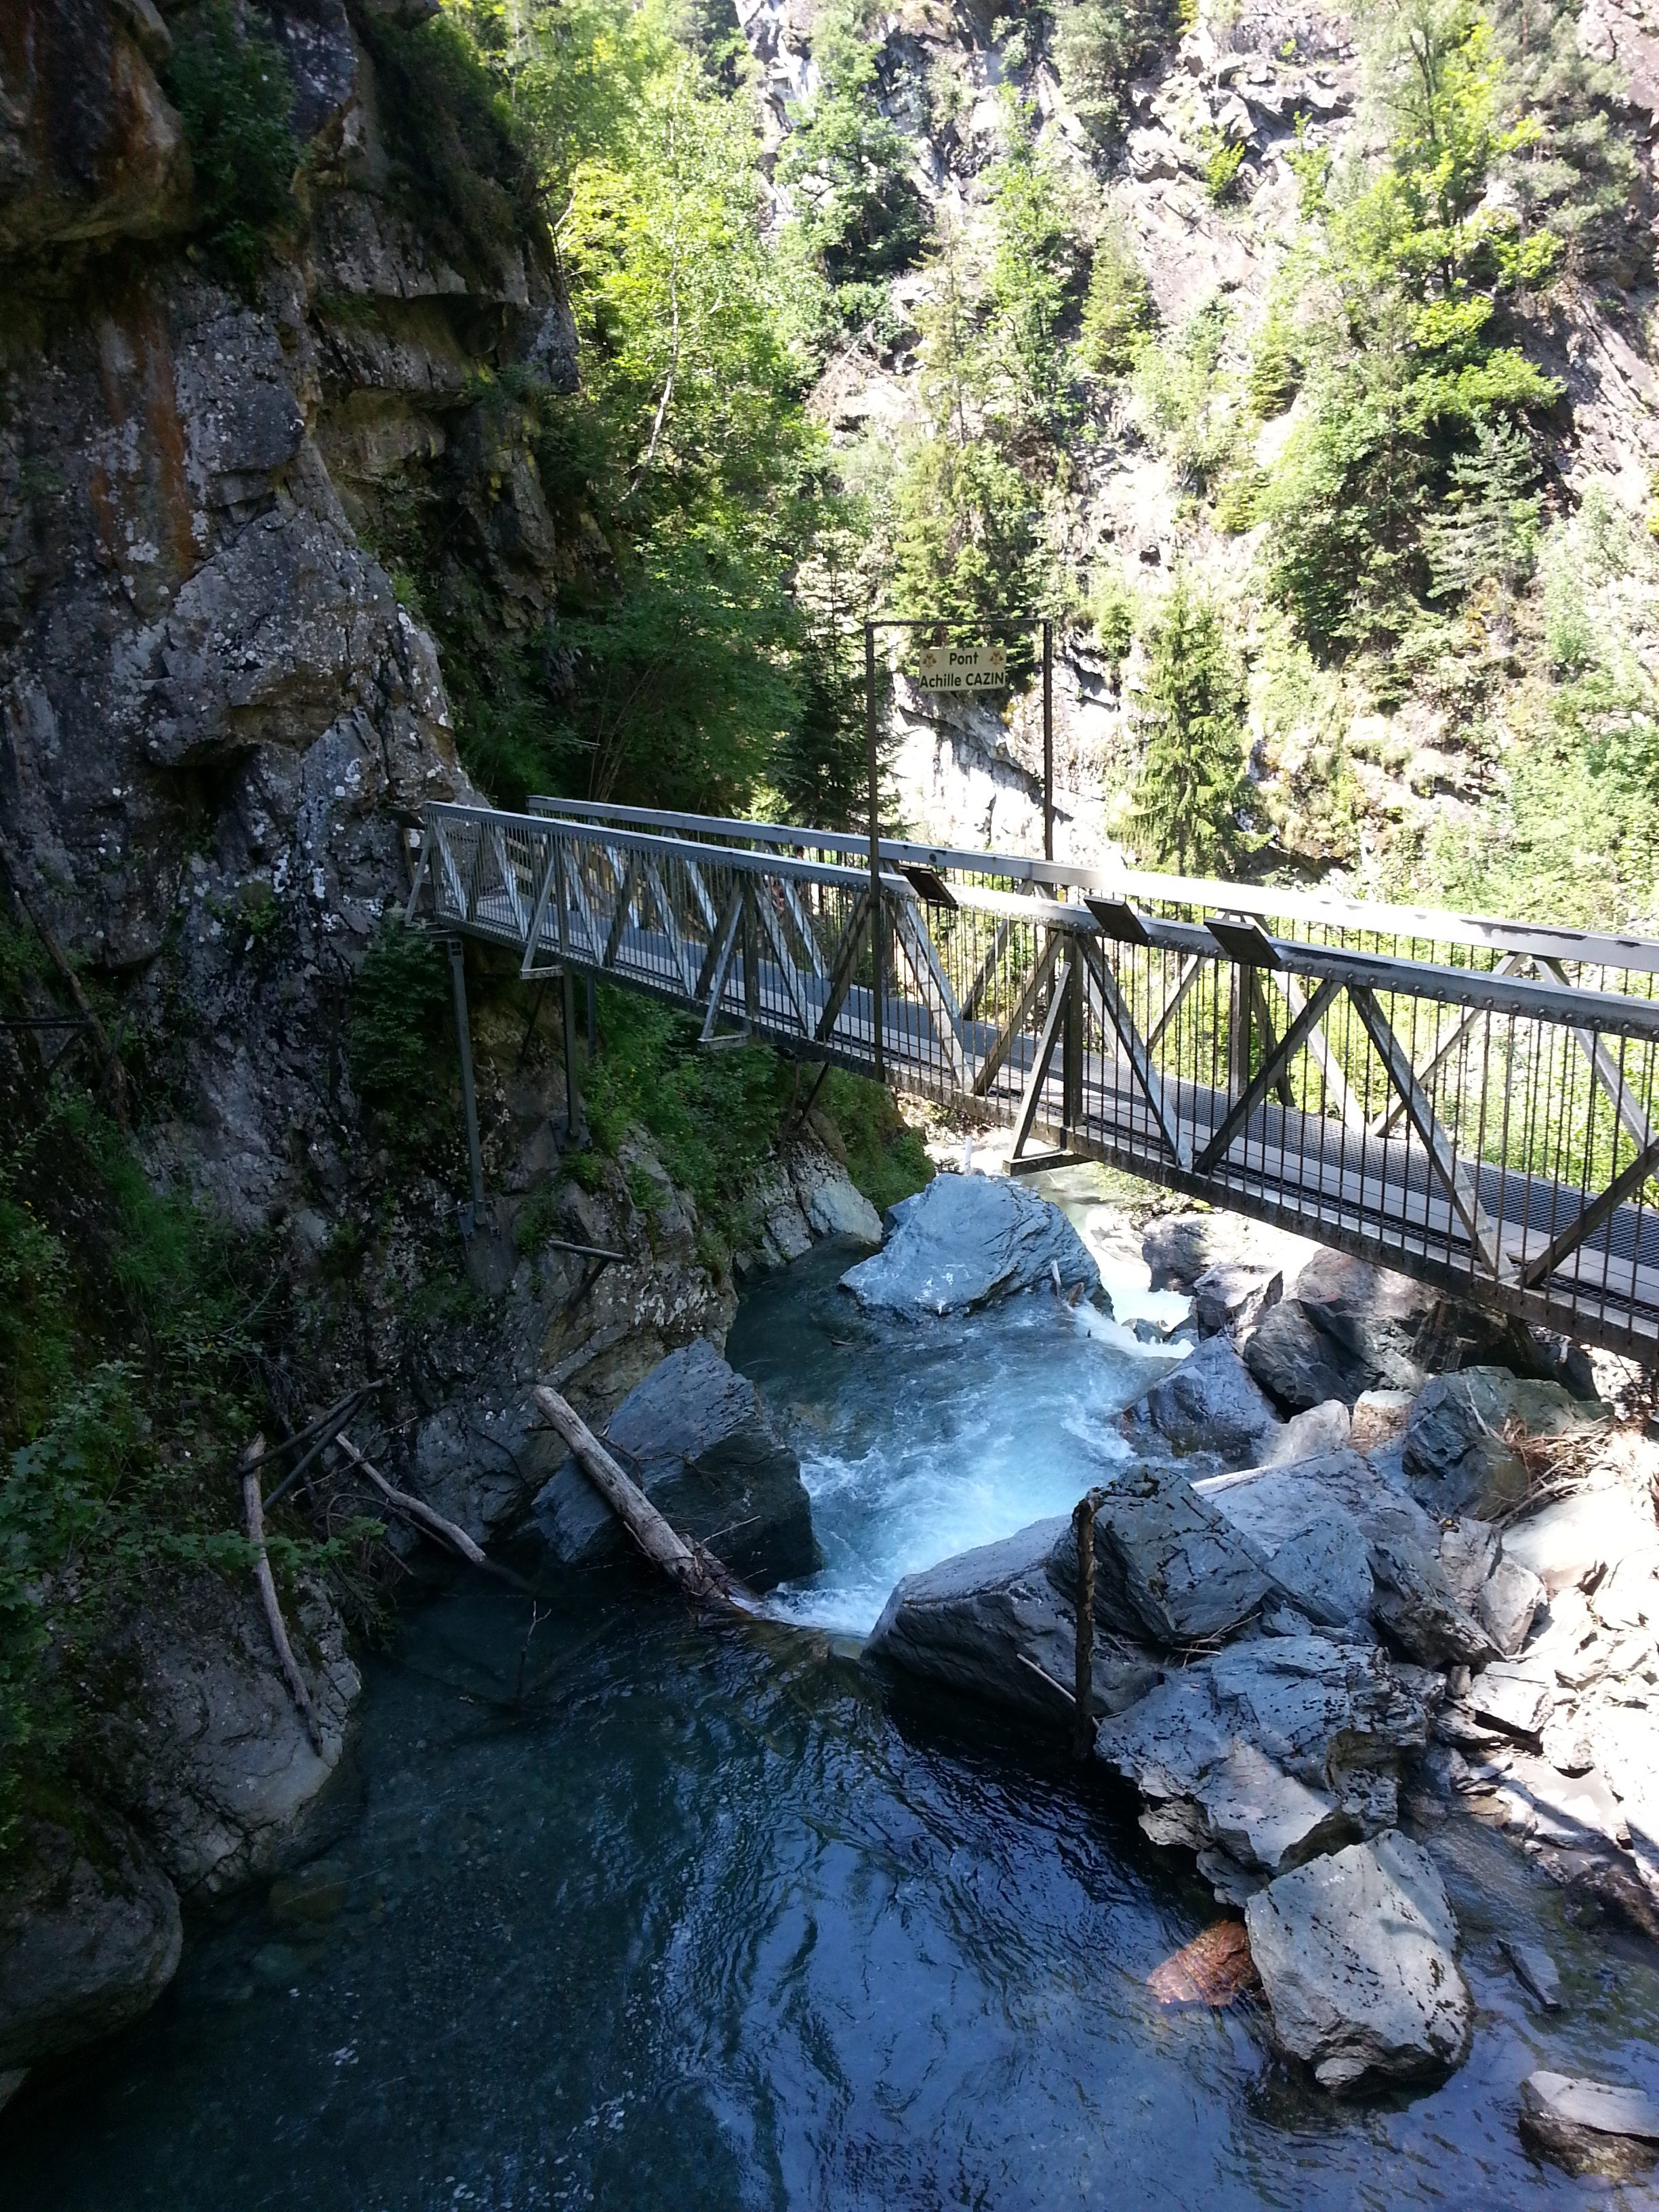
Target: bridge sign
(962, 668)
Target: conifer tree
(1191, 787)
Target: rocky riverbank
(1340, 1600)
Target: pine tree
(1576, 175)
(1117, 313)
(1487, 531)
(1191, 787)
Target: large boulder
(1179, 1247)
(1356, 1956)
(991, 1622)
(1591, 2127)
(1207, 1404)
(965, 1241)
(1343, 1543)
(696, 1438)
(1315, 1549)
(1460, 1453)
(223, 1772)
(1231, 1298)
(89, 1938)
(1269, 1752)
(1169, 1569)
(1295, 1364)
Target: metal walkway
(1470, 1101)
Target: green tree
(1033, 270)
(1191, 788)
(1117, 309)
(1098, 45)
(847, 169)
(1486, 529)
(231, 85)
(1410, 360)
(1577, 176)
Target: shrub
(230, 85)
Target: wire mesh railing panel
(1460, 1098)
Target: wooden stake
(254, 1509)
(697, 1571)
(433, 1522)
(1083, 1529)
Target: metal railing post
(876, 932)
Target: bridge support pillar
(469, 1092)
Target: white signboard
(962, 668)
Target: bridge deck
(1480, 1118)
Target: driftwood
(254, 1509)
(433, 1522)
(697, 1571)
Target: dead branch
(697, 1571)
(254, 1509)
(433, 1522)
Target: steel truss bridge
(1472, 1101)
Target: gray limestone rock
(1372, 1320)
(1507, 1604)
(697, 1437)
(967, 1241)
(1591, 2127)
(1293, 1362)
(223, 1773)
(1417, 1608)
(1316, 1550)
(90, 1937)
(1270, 1751)
(1169, 1568)
(1356, 1955)
(1536, 1971)
(1512, 1699)
(1232, 1297)
(1323, 1428)
(991, 1622)
(1457, 1456)
(1208, 1404)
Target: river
(631, 1911)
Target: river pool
(630, 1911)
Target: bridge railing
(1473, 1100)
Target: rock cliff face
(217, 725)
(214, 716)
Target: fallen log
(696, 1570)
(253, 1506)
(433, 1522)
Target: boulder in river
(696, 1437)
(1232, 1297)
(1169, 1569)
(966, 1240)
(1356, 1956)
(1591, 2127)
(1331, 1505)
(1208, 1404)
(990, 1622)
(1459, 1454)
(1293, 1363)
(90, 1937)
(1269, 1752)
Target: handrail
(1542, 940)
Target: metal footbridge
(1472, 1101)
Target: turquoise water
(634, 1912)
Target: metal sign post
(876, 931)
(945, 668)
